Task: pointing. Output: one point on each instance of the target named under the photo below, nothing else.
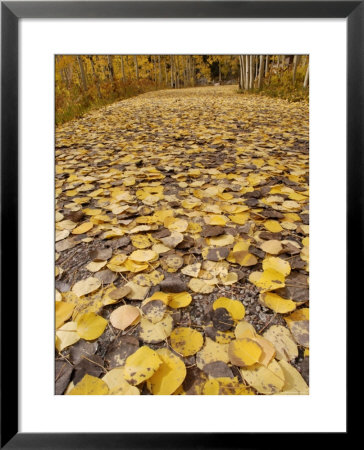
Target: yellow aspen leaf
(212, 352)
(140, 241)
(63, 312)
(277, 303)
(141, 365)
(273, 226)
(90, 385)
(221, 241)
(83, 228)
(174, 224)
(234, 307)
(266, 380)
(240, 218)
(244, 330)
(135, 267)
(273, 247)
(179, 300)
(95, 266)
(283, 342)
(225, 386)
(192, 270)
(66, 335)
(267, 280)
(86, 286)
(200, 286)
(90, 326)
(186, 341)
(229, 279)
(117, 384)
(245, 258)
(159, 295)
(244, 352)
(124, 316)
(143, 255)
(268, 350)
(153, 333)
(277, 264)
(294, 384)
(169, 376)
(216, 219)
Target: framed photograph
(167, 168)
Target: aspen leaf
(273, 226)
(200, 286)
(137, 292)
(95, 266)
(84, 228)
(90, 385)
(124, 316)
(86, 286)
(229, 279)
(117, 384)
(267, 280)
(245, 258)
(294, 384)
(234, 307)
(268, 350)
(154, 310)
(266, 380)
(277, 264)
(192, 270)
(143, 255)
(66, 335)
(173, 240)
(273, 247)
(152, 333)
(277, 303)
(283, 342)
(63, 312)
(179, 300)
(186, 341)
(90, 326)
(244, 352)
(211, 352)
(244, 330)
(141, 365)
(170, 374)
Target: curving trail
(199, 194)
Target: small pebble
(257, 308)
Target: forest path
(208, 184)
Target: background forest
(90, 81)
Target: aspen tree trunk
(95, 77)
(241, 81)
(246, 72)
(136, 67)
(251, 73)
(295, 64)
(82, 71)
(261, 59)
(219, 72)
(266, 65)
(305, 83)
(172, 78)
(177, 72)
(165, 71)
(160, 70)
(110, 67)
(122, 68)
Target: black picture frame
(11, 12)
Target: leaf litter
(182, 247)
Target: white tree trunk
(136, 67)
(261, 63)
(305, 83)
